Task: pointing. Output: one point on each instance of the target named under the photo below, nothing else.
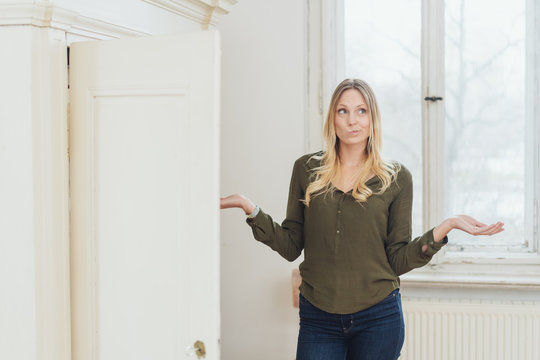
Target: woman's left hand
(465, 223)
(475, 227)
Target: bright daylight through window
(485, 109)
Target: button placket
(338, 222)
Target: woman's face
(352, 119)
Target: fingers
(497, 229)
(489, 229)
(475, 227)
(482, 230)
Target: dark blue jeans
(376, 333)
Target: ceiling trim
(205, 12)
(46, 14)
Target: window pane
(485, 118)
(382, 47)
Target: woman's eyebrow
(357, 106)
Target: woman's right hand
(237, 201)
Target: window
(485, 120)
(477, 152)
(383, 48)
(484, 105)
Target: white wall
(263, 91)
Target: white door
(144, 182)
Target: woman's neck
(352, 157)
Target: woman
(350, 211)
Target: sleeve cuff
(255, 217)
(433, 247)
(254, 212)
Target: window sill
(475, 275)
(485, 258)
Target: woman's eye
(361, 111)
(342, 111)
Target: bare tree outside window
(485, 118)
(484, 104)
(382, 46)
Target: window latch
(433, 98)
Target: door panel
(144, 140)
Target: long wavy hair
(330, 169)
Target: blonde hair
(329, 170)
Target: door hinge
(68, 67)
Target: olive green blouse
(353, 253)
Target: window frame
(325, 67)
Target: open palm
(475, 227)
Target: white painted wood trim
(333, 48)
(519, 264)
(80, 27)
(46, 14)
(499, 270)
(325, 64)
(314, 116)
(523, 277)
(51, 194)
(535, 93)
(502, 270)
(205, 12)
(532, 126)
(432, 63)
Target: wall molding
(48, 99)
(205, 12)
(313, 102)
(45, 14)
(325, 68)
(434, 281)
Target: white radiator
(470, 330)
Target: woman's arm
(404, 253)
(286, 238)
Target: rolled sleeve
(286, 238)
(432, 246)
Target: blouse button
(337, 232)
(339, 211)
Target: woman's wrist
(248, 206)
(441, 230)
